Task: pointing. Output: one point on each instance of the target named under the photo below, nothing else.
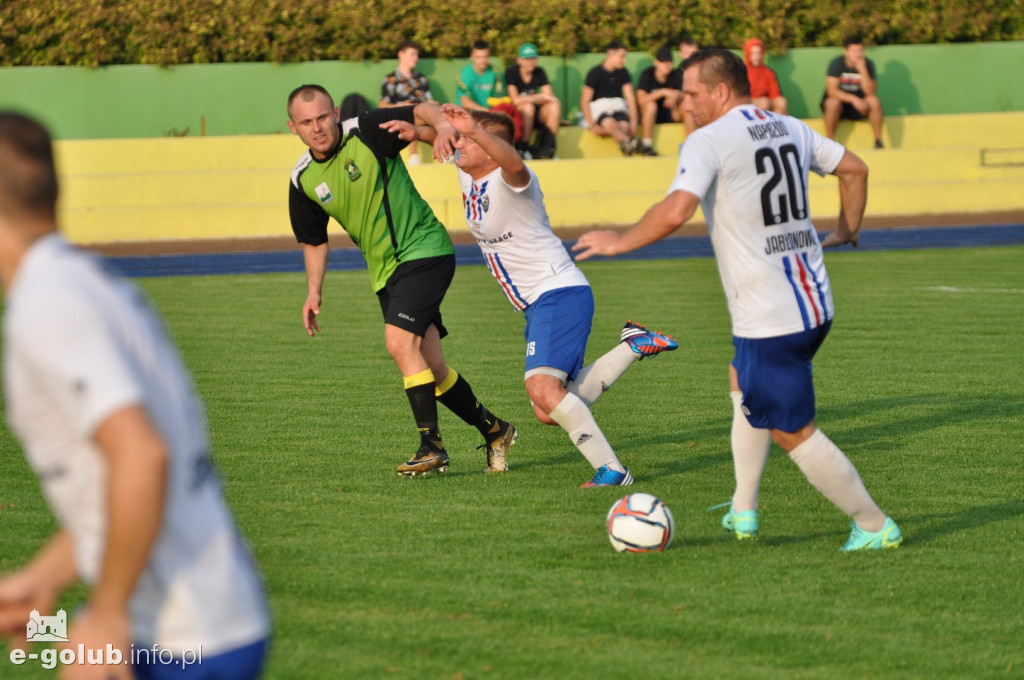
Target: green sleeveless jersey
(366, 188)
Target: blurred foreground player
(110, 421)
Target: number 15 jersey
(749, 169)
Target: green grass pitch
(511, 576)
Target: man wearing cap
(528, 86)
(659, 94)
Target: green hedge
(166, 32)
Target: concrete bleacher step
(978, 130)
(220, 187)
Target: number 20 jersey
(750, 170)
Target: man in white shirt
(109, 419)
(748, 170)
(505, 211)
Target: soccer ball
(640, 522)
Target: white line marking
(954, 289)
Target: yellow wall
(218, 187)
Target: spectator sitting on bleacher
(531, 93)
(850, 90)
(479, 86)
(659, 95)
(608, 102)
(764, 84)
(405, 85)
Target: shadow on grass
(913, 414)
(668, 468)
(929, 527)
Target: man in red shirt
(764, 85)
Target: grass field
(511, 576)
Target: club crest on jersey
(352, 169)
(323, 192)
(478, 202)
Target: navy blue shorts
(557, 328)
(776, 378)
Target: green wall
(234, 99)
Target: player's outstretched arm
(853, 196)
(429, 113)
(659, 221)
(408, 132)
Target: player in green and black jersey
(353, 173)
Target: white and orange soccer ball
(640, 522)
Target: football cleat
(889, 537)
(497, 448)
(744, 523)
(605, 476)
(425, 461)
(647, 343)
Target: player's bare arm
(36, 586)
(659, 221)
(853, 196)
(316, 267)
(136, 459)
(429, 114)
(408, 132)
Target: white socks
(592, 381)
(575, 418)
(832, 474)
(750, 448)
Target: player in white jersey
(505, 211)
(110, 421)
(748, 170)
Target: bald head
(307, 93)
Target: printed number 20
(786, 164)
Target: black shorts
(664, 116)
(848, 112)
(620, 116)
(411, 298)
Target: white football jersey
(79, 345)
(750, 170)
(511, 225)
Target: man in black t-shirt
(851, 90)
(659, 94)
(528, 86)
(608, 102)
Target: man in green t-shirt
(479, 86)
(353, 173)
